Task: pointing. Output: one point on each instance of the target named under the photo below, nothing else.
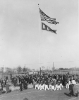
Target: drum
(71, 89)
(76, 89)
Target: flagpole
(39, 42)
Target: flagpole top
(38, 4)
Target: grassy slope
(33, 94)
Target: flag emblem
(47, 28)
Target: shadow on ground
(67, 94)
(25, 99)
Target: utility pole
(2, 70)
(40, 74)
(53, 68)
(40, 71)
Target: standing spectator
(2, 84)
(7, 88)
(21, 85)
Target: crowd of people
(42, 81)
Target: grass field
(32, 94)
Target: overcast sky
(22, 42)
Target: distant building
(65, 71)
